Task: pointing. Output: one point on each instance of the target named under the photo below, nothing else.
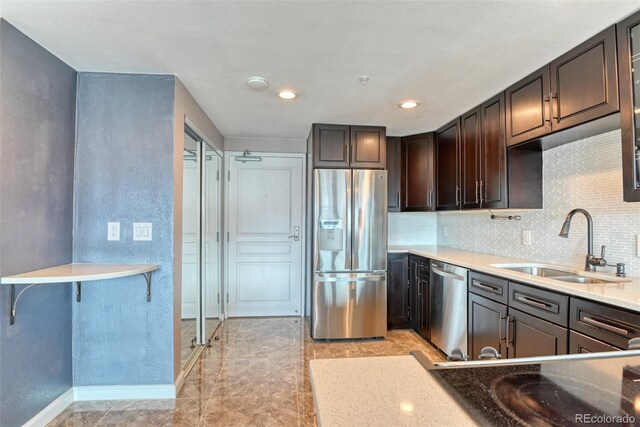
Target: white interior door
(190, 239)
(265, 209)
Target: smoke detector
(257, 83)
(363, 79)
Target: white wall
(583, 174)
(269, 145)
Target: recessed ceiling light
(405, 105)
(287, 94)
(257, 83)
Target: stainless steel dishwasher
(448, 308)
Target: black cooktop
(597, 392)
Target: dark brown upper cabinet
(578, 87)
(493, 154)
(344, 146)
(629, 68)
(368, 147)
(470, 159)
(447, 143)
(584, 82)
(418, 173)
(394, 173)
(528, 104)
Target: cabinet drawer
(537, 302)
(611, 325)
(488, 286)
(579, 344)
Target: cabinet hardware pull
(476, 191)
(555, 108)
(547, 109)
(605, 326)
(457, 195)
(500, 319)
(398, 199)
(485, 287)
(430, 198)
(481, 194)
(508, 340)
(532, 302)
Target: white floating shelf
(77, 273)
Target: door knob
(296, 233)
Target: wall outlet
(445, 231)
(526, 237)
(113, 231)
(142, 231)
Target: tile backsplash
(582, 174)
(413, 228)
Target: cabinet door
(394, 172)
(529, 336)
(493, 154)
(418, 172)
(579, 343)
(487, 326)
(629, 69)
(447, 166)
(414, 262)
(331, 146)
(528, 114)
(368, 147)
(397, 291)
(470, 159)
(584, 82)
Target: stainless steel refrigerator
(349, 289)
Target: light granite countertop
(619, 292)
(381, 391)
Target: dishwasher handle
(443, 273)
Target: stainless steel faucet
(591, 261)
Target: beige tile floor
(257, 374)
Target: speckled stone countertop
(623, 293)
(398, 391)
(381, 391)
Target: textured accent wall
(37, 128)
(413, 228)
(586, 174)
(124, 172)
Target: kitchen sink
(537, 270)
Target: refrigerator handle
(350, 255)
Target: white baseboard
(52, 410)
(124, 392)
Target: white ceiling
(450, 55)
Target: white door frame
(229, 156)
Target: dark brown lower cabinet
(486, 325)
(397, 291)
(422, 324)
(579, 343)
(529, 336)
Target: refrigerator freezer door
(369, 220)
(349, 306)
(332, 220)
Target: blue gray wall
(124, 173)
(37, 128)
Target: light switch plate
(526, 237)
(113, 231)
(142, 231)
(445, 231)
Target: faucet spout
(564, 232)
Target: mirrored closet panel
(201, 246)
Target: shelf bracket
(147, 277)
(13, 300)
(78, 291)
